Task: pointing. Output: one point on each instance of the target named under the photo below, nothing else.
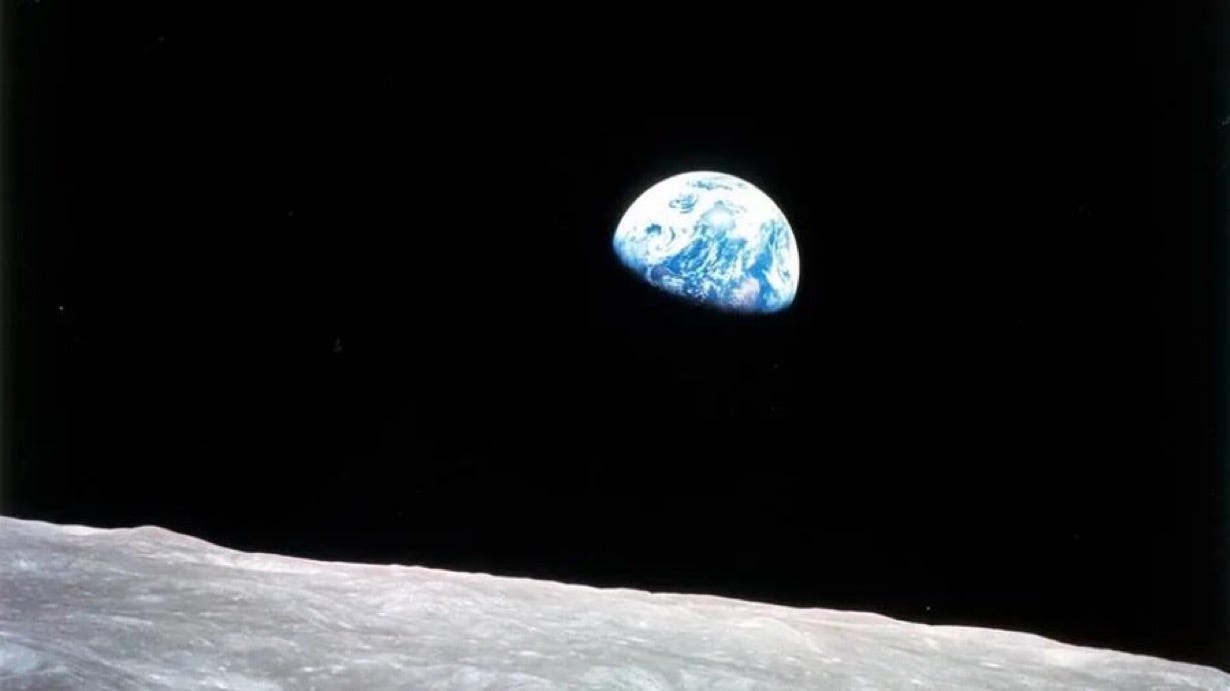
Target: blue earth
(713, 239)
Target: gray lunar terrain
(146, 608)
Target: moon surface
(146, 608)
(713, 239)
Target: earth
(713, 239)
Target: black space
(339, 284)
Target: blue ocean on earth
(713, 239)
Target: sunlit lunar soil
(149, 608)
